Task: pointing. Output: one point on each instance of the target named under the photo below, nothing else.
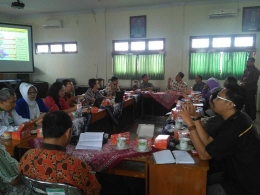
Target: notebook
(98, 102)
(119, 96)
(176, 156)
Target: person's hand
(242, 84)
(74, 107)
(205, 86)
(38, 122)
(192, 109)
(185, 114)
(41, 116)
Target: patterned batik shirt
(181, 86)
(145, 85)
(51, 163)
(111, 89)
(8, 172)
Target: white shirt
(18, 120)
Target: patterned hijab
(33, 106)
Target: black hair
(66, 81)
(198, 76)
(181, 74)
(92, 82)
(251, 59)
(55, 124)
(54, 92)
(237, 95)
(114, 78)
(232, 80)
(214, 92)
(144, 75)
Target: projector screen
(16, 54)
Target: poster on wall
(137, 26)
(251, 19)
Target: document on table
(90, 141)
(176, 156)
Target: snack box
(161, 141)
(94, 109)
(39, 133)
(24, 130)
(113, 137)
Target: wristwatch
(197, 118)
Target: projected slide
(14, 44)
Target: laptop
(119, 96)
(98, 102)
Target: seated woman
(29, 106)
(92, 93)
(55, 99)
(211, 83)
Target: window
(41, 48)
(220, 56)
(133, 58)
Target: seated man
(236, 146)
(230, 80)
(145, 86)
(92, 93)
(69, 95)
(178, 84)
(112, 87)
(10, 179)
(51, 162)
(199, 85)
(8, 115)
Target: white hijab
(33, 106)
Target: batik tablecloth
(165, 99)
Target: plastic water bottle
(178, 119)
(79, 108)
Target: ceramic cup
(184, 142)
(178, 124)
(121, 142)
(142, 144)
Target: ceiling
(39, 7)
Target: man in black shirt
(199, 85)
(249, 81)
(236, 146)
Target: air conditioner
(216, 13)
(53, 24)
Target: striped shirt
(91, 96)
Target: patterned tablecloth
(102, 160)
(165, 99)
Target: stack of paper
(176, 156)
(90, 141)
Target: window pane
(56, 48)
(221, 42)
(121, 46)
(155, 45)
(70, 47)
(138, 46)
(42, 48)
(244, 41)
(200, 43)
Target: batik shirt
(111, 89)
(8, 172)
(181, 86)
(91, 96)
(145, 85)
(51, 163)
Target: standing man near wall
(249, 81)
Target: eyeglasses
(32, 93)
(218, 97)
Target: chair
(42, 187)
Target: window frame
(56, 43)
(141, 52)
(232, 48)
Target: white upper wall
(94, 35)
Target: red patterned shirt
(51, 163)
(181, 86)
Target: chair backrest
(42, 187)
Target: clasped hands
(187, 111)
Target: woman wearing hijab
(29, 106)
(55, 98)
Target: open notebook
(176, 156)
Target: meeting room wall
(94, 35)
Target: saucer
(6, 138)
(125, 148)
(148, 149)
(190, 147)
